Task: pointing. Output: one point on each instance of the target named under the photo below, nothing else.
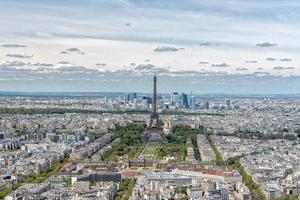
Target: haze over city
(103, 46)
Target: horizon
(91, 94)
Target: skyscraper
(174, 97)
(146, 102)
(206, 105)
(184, 100)
(192, 103)
(129, 97)
(176, 100)
(228, 104)
(135, 103)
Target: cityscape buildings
(70, 147)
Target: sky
(207, 46)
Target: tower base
(154, 135)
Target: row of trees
(180, 133)
(187, 113)
(37, 178)
(33, 111)
(130, 134)
(258, 135)
(253, 187)
(125, 189)
(220, 160)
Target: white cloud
(166, 49)
(13, 45)
(251, 61)
(270, 59)
(266, 44)
(12, 55)
(285, 59)
(12, 64)
(220, 65)
(242, 69)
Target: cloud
(266, 44)
(251, 61)
(285, 59)
(101, 64)
(72, 50)
(203, 63)
(167, 49)
(80, 78)
(262, 73)
(283, 68)
(270, 59)
(19, 56)
(64, 63)
(278, 68)
(76, 69)
(106, 38)
(290, 68)
(144, 67)
(221, 65)
(241, 69)
(148, 69)
(41, 65)
(282, 60)
(13, 45)
(12, 64)
(204, 44)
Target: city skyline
(239, 47)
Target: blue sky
(238, 46)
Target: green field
(149, 151)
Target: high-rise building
(184, 101)
(146, 102)
(125, 98)
(228, 104)
(129, 97)
(175, 98)
(135, 103)
(192, 104)
(2, 136)
(206, 105)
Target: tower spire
(154, 99)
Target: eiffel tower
(154, 131)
